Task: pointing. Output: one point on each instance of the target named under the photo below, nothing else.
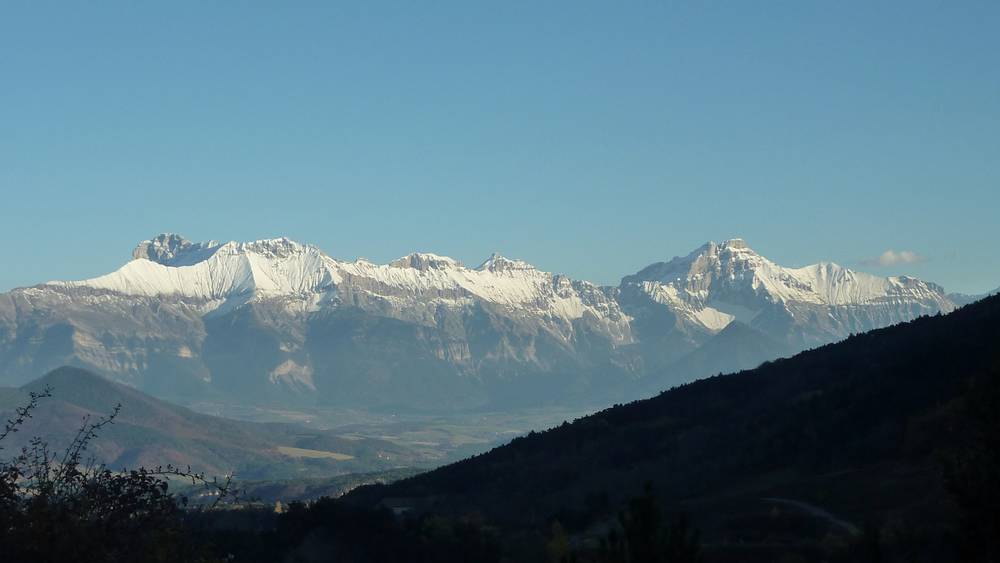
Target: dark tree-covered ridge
(857, 427)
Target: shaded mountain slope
(152, 432)
(965, 299)
(736, 347)
(852, 429)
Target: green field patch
(314, 454)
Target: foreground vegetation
(62, 506)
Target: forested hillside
(859, 431)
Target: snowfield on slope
(703, 288)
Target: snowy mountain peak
(186, 306)
(712, 248)
(735, 251)
(424, 261)
(735, 244)
(718, 283)
(680, 269)
(173, 250)
(276, 248)
(170, 265)
(498, 263)
(303, 278)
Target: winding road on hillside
(817, 512)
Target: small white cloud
(894, 258)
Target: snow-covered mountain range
(276, 320)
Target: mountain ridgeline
(892, 431)
(276, 321)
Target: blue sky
(586, 138)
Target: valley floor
(436, 438)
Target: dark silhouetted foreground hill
(801, 450)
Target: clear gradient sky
(587, 138)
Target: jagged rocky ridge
(276, 320)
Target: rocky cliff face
(276, 321)
(802, 307)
